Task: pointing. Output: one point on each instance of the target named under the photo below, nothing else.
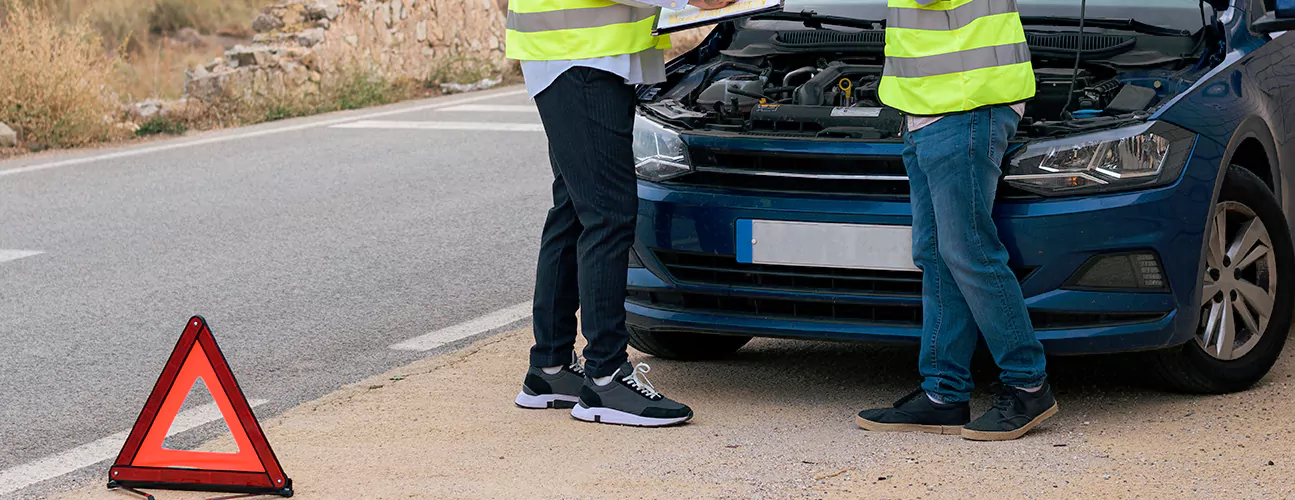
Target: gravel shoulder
(774, 421)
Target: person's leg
(555, 376)
(946, 328)
(961, 155)
(590, 124)
(948, 333)
(556, 289)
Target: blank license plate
(816, 244)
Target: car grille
(860, 314)
(725, 270)
(807, 175)
(797, 174)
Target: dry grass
(354, 88)
(143, 34)
(67, 66)
(132, 23)
(52, 90)
(157, 69)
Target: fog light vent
(1132, 271)
(635, 262)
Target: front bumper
(1048, 241)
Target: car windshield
(1177, 14)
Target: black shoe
(1014, 413)
(916, 412)
(559, 390)
(629, 399)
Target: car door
(1273, 68)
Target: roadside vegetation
(69, 68)
(52, 78)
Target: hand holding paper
(704, 12)
(710, 4)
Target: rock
(8, 138)
(352, 39)
(420, 31)
(485, 83)
(323, 9)
(190, 37)
(156, 108)
(311, 37)
(266, 22)
(293, 14)
(147, 108)
(257, 55)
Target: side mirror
(1281, 19)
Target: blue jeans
(953, 170)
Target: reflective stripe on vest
(531, 22)
(955, 55)
(578, 29)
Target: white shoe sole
(609, 416)
(544, 401)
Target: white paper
(693, 16)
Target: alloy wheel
(1239, 285)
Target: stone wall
(302, 42)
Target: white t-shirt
(916, 123)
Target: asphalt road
(310, 248)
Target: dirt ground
(775, 421)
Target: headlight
(658, 151)
(1148, 155)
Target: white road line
(88, 454)
(464, 330)
(247, 135)
(496, 127)
(493, 108)
(8, 255)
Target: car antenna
(1079, 52)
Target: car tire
(1189, 367)
(685, 346)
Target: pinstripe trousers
(588, 116)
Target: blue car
(1144, 200)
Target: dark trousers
(588, 115)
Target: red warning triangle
(145, 463)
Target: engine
(838, 98)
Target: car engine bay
(778, 78)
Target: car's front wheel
(685, 345)
(1245, 304)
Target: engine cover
(823, 121)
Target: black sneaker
(629, 399)
(560, 390)
(1014, 413)
(917, 413)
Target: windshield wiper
(1121, 24)
(816, 21)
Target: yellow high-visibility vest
(954, 55)
(546, 30)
